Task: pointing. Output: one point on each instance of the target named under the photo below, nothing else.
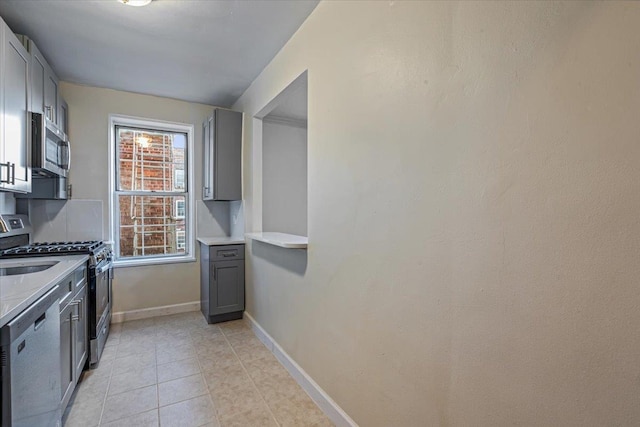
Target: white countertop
(218, 241)
(284, 240)
(19, 291)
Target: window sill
(152, 261)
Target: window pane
(178, 178)
(152, 225)
(150, 160)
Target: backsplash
(212, 219)
(78, 219)
(61, 220)
(7, 203)
(236, 218)
(219, 219)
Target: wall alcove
(282, 131)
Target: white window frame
(114, 214)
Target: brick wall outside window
(149, 224)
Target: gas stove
(96, 250)
(14, 243)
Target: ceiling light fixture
(135, 2)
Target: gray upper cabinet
(15, 135)
(38, 72)
(63, 115)
(45, 95)
(51, 96)
(222, 163)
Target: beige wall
(474, 192)
(89, 109)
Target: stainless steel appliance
(47, 187)
(51, 151)
(99, 280)
(30, 347)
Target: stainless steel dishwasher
(30, 346)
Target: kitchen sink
(22, 268)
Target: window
(180, 239)
(180, 209)
(151, 205)
(178, 179)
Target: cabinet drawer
(80, 275)
(66, 289)
(226, 253)
(70, 285)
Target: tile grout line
(106, 394)
(213, 405)
(137, 388)
(155, 347)
(191, 340)
(273, 416)
(271, 352)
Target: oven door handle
(100, 270)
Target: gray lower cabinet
(221, 282)
(222, 156)
(74, 330)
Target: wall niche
(283, 125)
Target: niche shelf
(284, 240)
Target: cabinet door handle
(49, 112)
(77, 302)
(8, 166)
(227, 254)
(75, 318)
(11, 173)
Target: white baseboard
(322, 399)
(145, 313)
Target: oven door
(57, 152)
(103, 296)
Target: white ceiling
(206, 51)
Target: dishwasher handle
(40, 321)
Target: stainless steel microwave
(51, 151)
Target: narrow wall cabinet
(45, 92)
(222, 156)
(63, 115)
(15, 134)
(221, 282)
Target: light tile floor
(179, 371)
